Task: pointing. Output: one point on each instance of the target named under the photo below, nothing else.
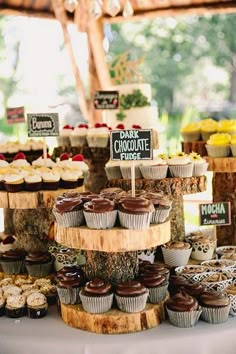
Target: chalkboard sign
(106, 100)
(131, 144)
(43, 124)
(15, 115)
(215, 213)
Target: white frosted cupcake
(37, 305)
(112, 169)
(200, 165)
(41, 162)
(33, 182)
(78, 135)
(50, 180)
(154, 169)
(180, 165)
(176, 253)
(125, 167)
(14, 182)
(15, 306)
(64, 135)
(98, 136)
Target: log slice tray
(113, 321)
(32, 200)
(221, 164)
(117, 239)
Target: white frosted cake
(142, 114)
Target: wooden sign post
(215, 214)
(131, 145)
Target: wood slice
(196, 146)
(31, 200)
(221, 164)
(115, 239)
(114, 321)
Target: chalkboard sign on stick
(215, 213)
(15, 115)
(131, 144)
(106, 100)
(42, 124)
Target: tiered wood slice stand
(175, 188)
(112, 255)
(224, 190)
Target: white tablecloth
(50, 335)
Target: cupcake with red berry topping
(3, 162)
(98, 136)
(19, 161)
(78, 163)
(7, 243)
(78, 135)
(44, 162)
(64, 135)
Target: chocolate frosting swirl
(97, 287)
(135, 205)
(182, 301)
(194, 289)
(214, 299)
(13, 255)
(35, 258)
(87, 196)
(69, 280)
(130, 288)
(99, 205)
(159, 201)
(156, 268)
(110, 193)
(152, 280)
(70, 202)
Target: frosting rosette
(219, 139)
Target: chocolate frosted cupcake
(195, 289)
(12, 261)
(39, 264)
(97, 296)
(176, 253)
(131, 296)
(15, 306)
(215, 307)
(231, 292)
(154, 269)
(162, 205)
(156, 284)
(183, 310)
(69, 285)
(135, 213)
(68, 210)
(37, 306)
(100, 213)
(175, 284)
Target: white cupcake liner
(69, 219)
(69, 296)
(12, 267)
(77, 140)
(135, 221)
(233, 149)
(94, 141)
(215, 315)
(96, 304)
(199, 169)
(126, 172)
(175, 257)
(100, 221)
(132, 303)
(154, 172)
(184, 319)
(113, 172)
(39, 270)
(191, 136)
(157, 293)
(182, 171)
(218, 151)
(160, 215)
(232, 310)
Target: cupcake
(50, 180)
(233, 145)
(37, 306)
(33, 182)
(98, 137)
(43, 162)
(131, 296)
(193, 289)
(200, 165)
(69, 284)
(14, 182)
(12, 290)
(19, 161)
(2, 305)
(135, 213)
(64, 135)
(39, 264)
(78, 163)
(191, 132)
(227, 126)
(110, 193)
(12, 261)
(156, 285)
(180, 165)
(162, 206)
(153, 268)
(100, 213)
(70, 179)
(97, 296)
(7, 243)
(125, 167)
(183, 310)
(231, 292)
(78, 135)
(215, 307)
(208, 127)
(202, 248)
(154, 169)
(218, 145)
(175, 283)
(15, 306)
(217, 281)
(112, 169)
(50, 291)
(176, 253)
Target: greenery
(135, 99)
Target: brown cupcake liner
(15, 313)
(126, 172)
(51, 186)
(96, 304)
(14, 188)
(37, 312)
(132, 303)
(154, 172)
(68, 184)
(69, 296)
(14, 267)
(39, 270)
(2, 186)
(100, 220)
(182, 171)
(215, 315)
(113, 172)
(69, 219)
(135, 221)
(157, 293)
(33, 187)
(160, 215)
(184, 319)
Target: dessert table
(51, 334)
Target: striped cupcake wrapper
(176, 258)
(215, 315)
(160, 215)
(184, 319)
(135, 221)
(69, 296)
(100, 221)
(157, 294)
(96, 304)
(182, 171)
(154, 172)
(69, 219)
(132, 303)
